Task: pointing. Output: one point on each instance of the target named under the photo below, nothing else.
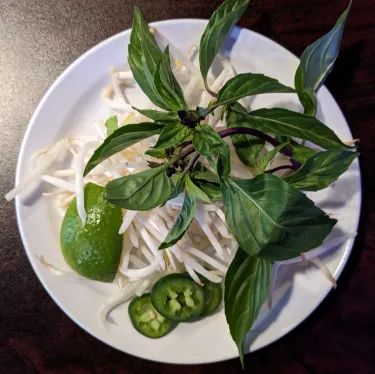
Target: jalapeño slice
(213, 296)
(147, 320)
(177, 297)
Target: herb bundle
(271, 219)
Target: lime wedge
(93, 251)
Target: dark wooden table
(38, 40)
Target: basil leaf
(247, 284)
(284, 122)
(179, 181)
(212, 190)
(111, 124)
(206, 176)
(182, 223)
(143, 56)
(223, 160)
(317, 62)
(217, 29)
(247, 147)
(272, 219)
(172, 134)
(195, 191)
(157, 153)
(158, 116)
(208, 182)
(167, 86)
(321, 170)
(142, 191)
(206, 141)
(307, 97)
(269, 156)
(122, 138)
(301, 153)
(248, 84)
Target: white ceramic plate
(73, 103)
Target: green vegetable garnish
(178, 298)
(93, 250)
(146, 320)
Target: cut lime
(93, 251)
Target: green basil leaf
(217, 29)
(167, 86)
(158, 116)
(157, 153)
(321, 170)
(317, 62)
(248, 84)
(318, 59)
(144, 55)
(269, 156)
(284, 122)
(210, 189)
(179, 181)
(122, 138)
(182, 223)
(307, 97)
(206, 141)
(247, 147)
(142, 191)
(206, 176)
(208, 182)
(111, 124)
(272, 219)
(195, 191)
(301, 153)
(223, 160)
(247, 284)
(173, 134)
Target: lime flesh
(93, 251)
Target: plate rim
(346, 253)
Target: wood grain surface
(38, 40)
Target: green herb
(111, 124)
(195, 191)
(317, 61)
(284, 122)
(208, 182)
(248, 84)
(158, 116)
(172, 134)
(247, 147)
(271, 219)
(206, 141)
(222, 20)
(143, 57)
(157, 153)
(178, 181)
(247, 285)
(321, 170)
(151, 68)
(143, 191)
(166, 84)
(120, 139)
(300, 152)
(183, 221)
(269, 156)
